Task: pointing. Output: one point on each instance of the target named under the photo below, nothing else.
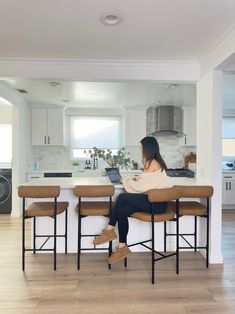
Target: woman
(135, 200)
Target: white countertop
(69, 183)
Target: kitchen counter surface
(70, 183)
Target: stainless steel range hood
(165, 120)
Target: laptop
(114, 175)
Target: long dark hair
(151, 151)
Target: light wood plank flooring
(95, 289)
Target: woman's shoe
(120, 254)
(105, 236)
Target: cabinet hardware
(227, 177)
(226, 186)
(230, 187)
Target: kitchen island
(93, 225)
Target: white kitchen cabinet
(47, 126)
(189, 122)
(228, 190)
(135, 126)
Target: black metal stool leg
(66, 231)
(110, 251)
(55, 242)
(153, 244)
(79, 240)
(207, 233)
(23, 236)
(165, 235)
(177, 236)
(195, 233)
(34, 235)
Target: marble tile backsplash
(59, 157)
(49, 158)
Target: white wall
(20, 141)
(5, 114)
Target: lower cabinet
(228, 190)
(34, 175)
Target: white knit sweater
(147, 181)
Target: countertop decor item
(120, 159)
(75, 164)
(191, 158)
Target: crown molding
(101, 69)
(221, 51)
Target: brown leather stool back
(38, 191)
(94, 190)
(196, 191)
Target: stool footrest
(163, 256)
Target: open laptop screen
(113, 174)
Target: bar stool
(42, 209)
(95, 207)
(160, 195)
(194, 208)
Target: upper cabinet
(135, 125)
(47, 126)
(190, 125)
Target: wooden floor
(95, 289)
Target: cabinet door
(55, 127)
(231, 186)
(225, 193)
(31, 176)
(39, 126)
(135, 126)
(190, 125)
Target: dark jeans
(127, 204)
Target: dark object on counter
(95, 163)
(57, 174)
(180, 172)
(88, 164)
(5, 191)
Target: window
(228, 127)
(228, 147)
(5, 143)
(87, 132)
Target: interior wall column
(209, 143)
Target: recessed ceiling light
(171, 86)
(111, 19)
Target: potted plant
(75, 164)
(120, 159)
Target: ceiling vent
(22, 91)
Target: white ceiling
(115, 94)
(152, 29)
(105, 94)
